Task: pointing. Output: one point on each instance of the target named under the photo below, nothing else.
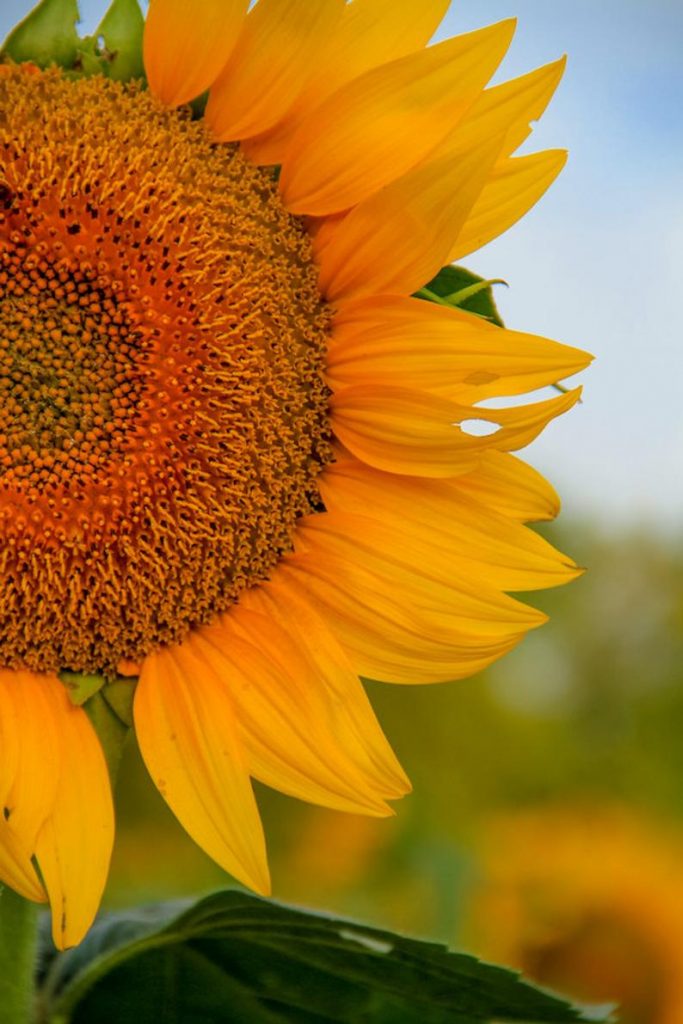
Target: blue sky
(598, 263)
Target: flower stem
(18, 941)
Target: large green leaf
(455, 286)
(235, 958)
(47, 35)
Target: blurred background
(546, 826)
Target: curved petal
(269, 66)
(382, 124)
(511, 487)
(456, 536)
(405, 342)
(515, 185)
(74, 845)
(370, 33)
(31, 712)
(401, 237)
(186, 725)
(401, 430)
(292, 728)
(186, 45)
(417, 433)
(356, 725)
(461, 605)
(385, 638)
(508, 108)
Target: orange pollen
(163, 413)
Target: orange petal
(508, 108)
(187, 45)
(405, 342)
(380, 125)
(400, 238)
(74, 845)
(187, 730)
(269, 66)
(292, 728)
(457, 536)
(515, 185)
(384, 636)
(370, 33)
(512, 487)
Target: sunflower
(237, 460)
(589, 901)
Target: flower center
(163, 413)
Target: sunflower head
(236, 452)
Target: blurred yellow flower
(234, 451)
(589, 903)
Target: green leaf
(455, 286)
(233, 957)
(121, 32)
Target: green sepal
(233, 957)
(458, 287)
(87, 61)
(109, 706)
(47, 35)
(111, 730)
(119, 696)
(121, 33)
(81, 685)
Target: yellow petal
(74, 845)
(401, 430)
(356, 726)
(520, 425)
(384, 636)
(187, 730)
(269, 66)
(409, 563)
(516, 184)
(393, 340)
(292, 729)
(457, 536)
(400, 238)
(16, 868)
(508, 108)
(31, 712)
(381, 124)
(186, 45)
(370, 33)
(417, 433)
(511, 487)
